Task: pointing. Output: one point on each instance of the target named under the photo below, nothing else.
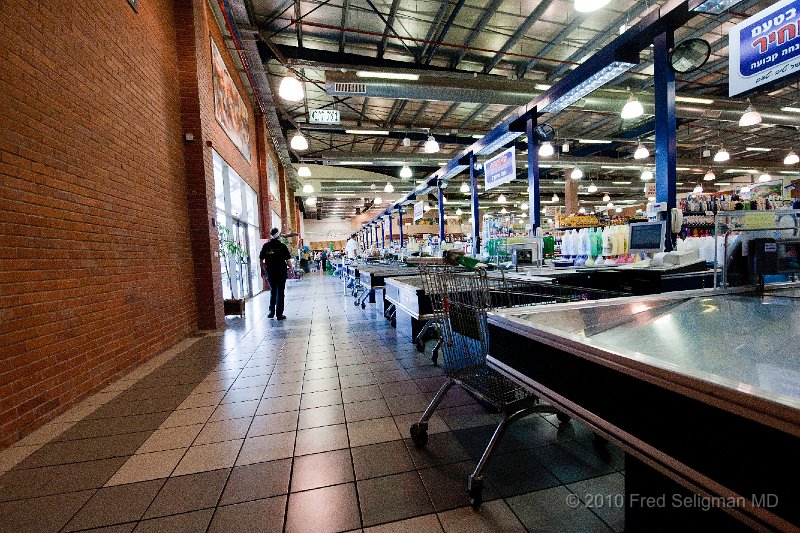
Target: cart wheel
(363, 305)
(355, 303)
(475, 493)
(420, 346)
(435, 356)
(563, 418)
(419, 434)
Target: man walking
(276, 259)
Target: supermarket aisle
(296, 426)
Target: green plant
(229, 248)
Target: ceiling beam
(490, 10)
(559, 39)
(389, 27)
(517, 35)
(437, 20)
(342, 33)
(442, 34)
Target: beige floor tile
(372, 431)
(233, 429)
(209, 457)
(203, 399)
(278, 404)
(188, 417)
(421, 524)
(267, 448)
(435, 424)
(493, 516)
(147, 466)
(170, 438)
(213, 386)
(321, 439)
(273, 423)
(10, 457)
(228, 411)
(45, 433)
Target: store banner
(765, 47)
(500, 169)
(419, 210)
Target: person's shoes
(271, 314)
(282, 317)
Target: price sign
(324, 116)
(419, 210)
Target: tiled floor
(297, 426)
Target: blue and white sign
(500, 169)
(765, 47)
(419, 210)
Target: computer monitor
(647, 237)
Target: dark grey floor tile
(547, 510)
(447, 485)
(37, 515)
(611, 489)
(116, 505)
(366, 410)
(74, 451)
(571, 462)
(257, 481)
(400, 388)
(58, 479)
(394, 497)
(606, 451)
(193, 522)
(264, 515)
(381, 459)
(441, 448)
(325, 510)
(518, 472)
(114, 426)
(321, 470)
(119, 528)
(189, 493)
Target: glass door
(243, 267)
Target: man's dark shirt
(275, 254)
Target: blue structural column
(391, 231)
(476, 219)
(383, 236)
(534, 198)
(400, 224)
(666, 134)
(376, 235)
(441, 211)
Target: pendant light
(698, 189)
(524, 206)
(312, 201)
(389, 187)
(304, 172)
(647, 175)
(722, 155)
(405, 172)
(459, 212)
(632, 109)
(744, 189)
(764, 177)
(710, 176)
(592, 188)
(576, 173)
(791, 158)
(555, 197)
(501, 199)
(582, 210)
(618, 210)
(641, 152)
(431, 146)
(606, 197)
(504, 211)
(406, 142)
(546, 149)
(378, 200)
(464, 188)
(307, 188)
(587, 6)
(751, 117)
(372, 186)
(290, 88)
(299, 142)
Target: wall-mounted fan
(689, 55)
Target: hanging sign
(500, 169)
(765, 47)
(650, 189)
(323, 116)
(419, 210)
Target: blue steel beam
(473, 187)
(534, 214)
(666, 135)
(441, 213)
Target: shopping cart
(460, 299)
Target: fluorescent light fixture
(621, 182)
(710, 176)
(405, 172)
(304, 172)
(791, 158)
(387, 75)
(646, 175)
(546, 149)
(751, 117)
(592, 188)
(754, 149)
(715, 7)
(641, 152)
(576, 173)
(791, 109)
(587, 6)
(592, 83)
(693, 100)
(290, 88)
(389, 188)
(764, 177)
(721, 156)
(477, 136)
(347, 181)
(367, 132)
(789, 172)
(431, 146)
(464, 188)
(299, 142)
(632, 109)
(308, 188)
(541, 86)
(367, 163)
(593, 141)
(722, 184)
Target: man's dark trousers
(278, 287)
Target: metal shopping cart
(460, 299)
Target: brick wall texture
(107, 248)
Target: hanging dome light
(606, 197)
(504, 211)
(646, 175)
(389, 187)
(764, 177)
(427, 207)
(576, 173)
(522, 215)
(406, 141)
(610, 205)
(751, 117)
(464, 188)
(632, 109)
(405, 172)
(299, 142)
(587, 6)
(378, 200)
(618, 210)
(722, 155)
(698, 189)
(308, 188)
(641, 152)
(431, 146)
(582, 210)
(304, 172)
(312, 201)
(459, 212)
(651, 199)
(290, 88)
(710, 176)
(524, 206)
(791, 158)
(555, 197)
(592, 188)
(501, 199)
(744, 189)
(372, 186)
(546, 149)
(444, 199)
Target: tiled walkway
(297, 426)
